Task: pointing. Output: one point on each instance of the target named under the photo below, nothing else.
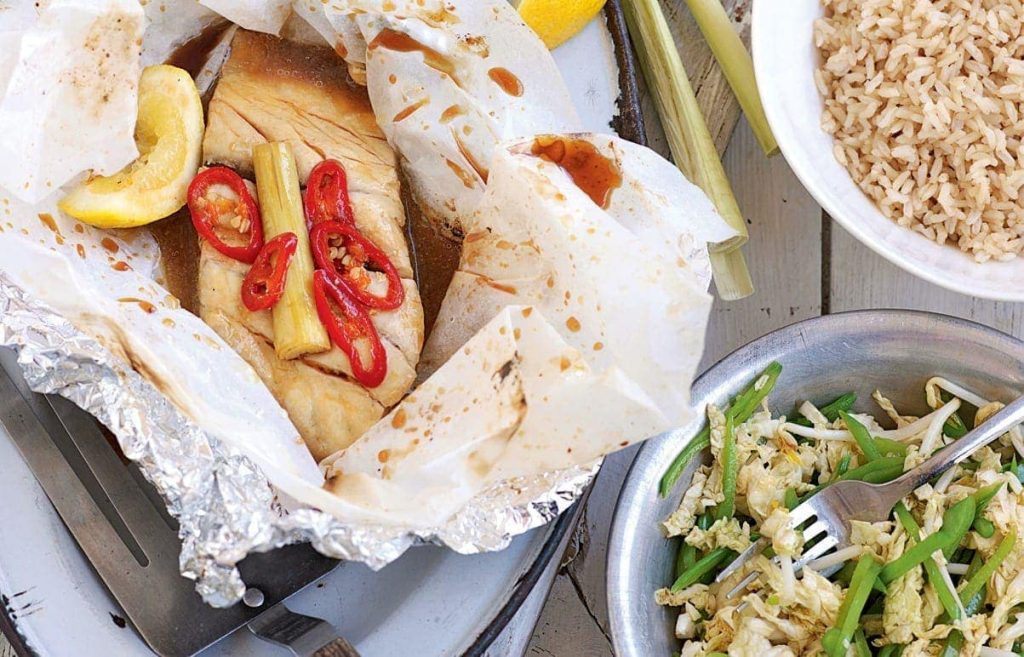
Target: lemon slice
(169, 136)
(557, 21)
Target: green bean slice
(989, 567)
(947, 596)
(730, 471)
(837, 639)
(862, 436)
(955, 522)
(704, 566)
(742, 407)
(832, 409)
(890, 447)
(860, 644)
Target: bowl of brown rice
(905, 120)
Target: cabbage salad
(943, 576)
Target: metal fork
(831, 511)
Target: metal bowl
(893, 351)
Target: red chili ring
(327, 195)
(353, 324)
(264, 284)
(365, 252)
(204, 213)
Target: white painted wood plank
(784, 252)
(516, 637)
(862, 279)
(569, 632)
(577, 605)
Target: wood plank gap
(826, 263)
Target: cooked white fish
(275, 90)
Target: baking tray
(628, 122)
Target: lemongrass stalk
(297, 327)
(688, 137)
(736, 65)
(732, 278)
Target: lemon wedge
(169, 136)
(557, 21)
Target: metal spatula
(123, 528)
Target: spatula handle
(304, 636)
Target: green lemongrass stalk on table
(689, 139)
(736, 65)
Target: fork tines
(801, 515)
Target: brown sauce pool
(192, 54)
(592, 172)
(434, 258)
(179, 249)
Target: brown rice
(924, 100)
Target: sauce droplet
(451, 112)
(50, 223)
(408, 111)
(501, 287)
(507, 80)
(592, 172)
(146, 306)
(402, 42)
(110, 245)
(81, 250)
(480, 169)
(466, 177)
(120, 265)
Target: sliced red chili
(349, 257)
(264, 284)
(327, 195)
(347, 323)
(206, 212)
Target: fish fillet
(275, 90)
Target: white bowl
(784, 60)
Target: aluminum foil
(223, 502)
(587, 387)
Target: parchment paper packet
(507, 425)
